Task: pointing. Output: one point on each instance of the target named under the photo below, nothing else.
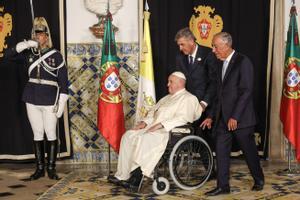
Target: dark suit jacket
(235, 93)
(201, 75)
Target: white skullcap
(179, 74)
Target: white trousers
(42, 120)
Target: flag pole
(290, 171)
(109, 165)
(109, 159)
(289, 158)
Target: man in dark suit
(234, 113)
(198, 65)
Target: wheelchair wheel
(190, 163)
(160, 186)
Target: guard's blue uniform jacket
(47, 75)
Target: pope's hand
(206, 123)
(155, 127)
(140, 125)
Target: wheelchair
(188, 158)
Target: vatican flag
(146, 94)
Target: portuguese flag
(290, 101)
(110, 107)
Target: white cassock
(144, 149)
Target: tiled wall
(83, 66)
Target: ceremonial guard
(45, 94)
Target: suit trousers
(245, 140)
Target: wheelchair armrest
(187, 128)
(179, 132)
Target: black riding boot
(51, 158)
(40, 160)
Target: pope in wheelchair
(142, 147)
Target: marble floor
(14, 183)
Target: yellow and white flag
(146, 94)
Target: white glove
(21, 46)
(63, 98)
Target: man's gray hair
(225, 37)
(186, 33)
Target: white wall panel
(79, 19)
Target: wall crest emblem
(5, 29)
(204, 26)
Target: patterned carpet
(90, 185)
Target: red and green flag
(110, 106)
(290, 100)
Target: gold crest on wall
(204, 26)
(5, 29)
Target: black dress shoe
(258, 186)
(113, 179)
(218, 191)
